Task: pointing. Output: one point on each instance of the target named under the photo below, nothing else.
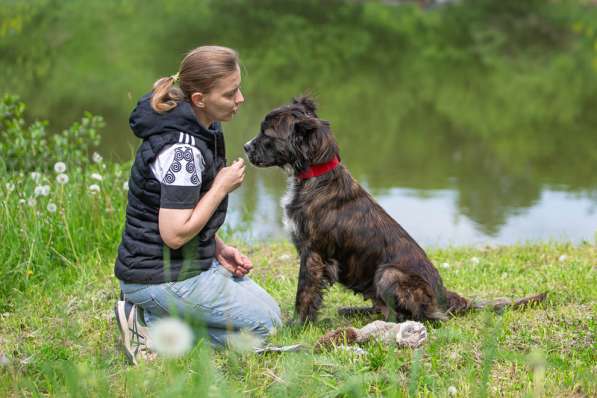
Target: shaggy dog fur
(342, 234)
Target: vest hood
(145, 122)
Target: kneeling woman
(170, 261)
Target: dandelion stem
(70, 238)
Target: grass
(58, 336)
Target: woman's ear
(197, 100)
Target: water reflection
(434, 218)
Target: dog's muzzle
(249, 148)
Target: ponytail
(165, 94)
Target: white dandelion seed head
(4, 361)
(97, 176)
(35, 175)
(452, 391)
(52, 207)
(22, 201)
(45, 190)
(171, 337)
(10, 186)
(475, 260)
(94, 189)
(96, 157)
(62, 179)
(31, 202)
(285, 257)
(125, 185)
(59, 167)
(244, 342)
(445, 265)
(38, 190)
(563, 258)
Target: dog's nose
(247, 146)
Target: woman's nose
(240, 97)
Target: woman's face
(224, 99)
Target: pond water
(459, 151)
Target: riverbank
(58, 335)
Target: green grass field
(58, 336)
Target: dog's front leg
(311, 283)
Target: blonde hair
(199, 71)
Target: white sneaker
(134, 332)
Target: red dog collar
(319, 169)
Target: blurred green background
(472, 122)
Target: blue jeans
(215, 299)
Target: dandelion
(52, 207)
(171, 337)
(31, 202)
(59, 167)
(96, 157)
(10, 186)
(125, 185)
(4, 361)
(452, 391)
(94, 189)
(45, 190)
(38, 190)
(22, 201)
(445, 265)
(475, 260)
(62, 179)
(97, 176)
(285, 257)
(563, 258)
(35, 176)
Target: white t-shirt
(178, 168)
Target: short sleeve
(178, 168)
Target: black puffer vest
(142, 256)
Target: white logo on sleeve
(179, 165)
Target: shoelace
(138, 340)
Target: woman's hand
(231, 177)
(235, 262)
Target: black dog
(341, 233)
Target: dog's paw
(411, 334)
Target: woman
(170, 260)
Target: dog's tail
(459, 305)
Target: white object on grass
(170, 337)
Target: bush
(27, 148)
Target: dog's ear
(314, 140)
(307, 102)
(308, 125)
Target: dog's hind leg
(407, 296)
(312, 281)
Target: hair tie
(176, 77)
